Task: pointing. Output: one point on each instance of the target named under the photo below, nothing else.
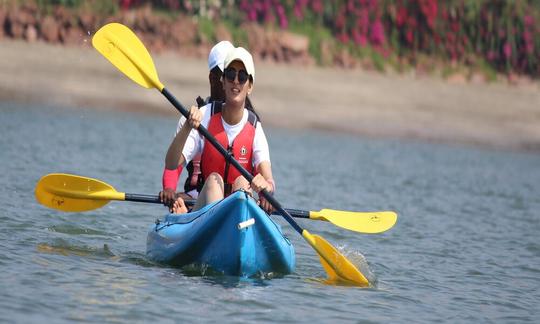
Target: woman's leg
(211, 191)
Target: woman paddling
(236, 129)
(170, 177)
(194, 180)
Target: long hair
(249, 106)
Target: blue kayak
(232, 236)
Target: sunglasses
(230, 74)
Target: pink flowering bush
(506, 34)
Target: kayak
(232, 236)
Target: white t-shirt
(195, 141)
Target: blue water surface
(465, 248)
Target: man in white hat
(216, 59)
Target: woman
(194, 180)
(236, 128)
(216, 59)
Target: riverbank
(356, 102)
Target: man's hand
(167, 197)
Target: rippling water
(465, 248)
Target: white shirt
(195, 142)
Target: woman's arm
(264, 180)
(174, 156)
(265, 169)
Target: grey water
(465, 249)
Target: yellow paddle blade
(338, 268)
(72, 193)
(363, 222)
(124, 50)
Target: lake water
(465, 249)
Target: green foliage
(378, 61)
(239, 35)
(487, 70)
(101, 7)
(316, 34)
(207, 28)
(67, 3)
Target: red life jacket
(241, 149)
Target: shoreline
(357, 102)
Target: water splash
(359, 260)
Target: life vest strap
(230, 154)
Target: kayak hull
(212, 237)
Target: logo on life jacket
(243, 150)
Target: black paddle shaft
(154, 199)
(143, 198)
(228, 156)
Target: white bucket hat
(218, 53)
(242, 55)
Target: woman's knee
(215, 177)
(214, 180)
(211, 191)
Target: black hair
(216, 69)
(249, 106)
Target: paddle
(123, 49)
(73, 193)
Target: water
(465, 248)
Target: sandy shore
(357, 102)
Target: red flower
(125, 4)
(429, 9)
(377, 33)
(283, 22)
(317, 6)
(299, 10)
(528, 21)
(340, 21)
(401, 16)
(491, 56)
(409, 36)
(350, 5)
(343, 37)
(529, 44)
(507, 50)
(359, 38)
(252, 14)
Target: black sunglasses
(230, 74)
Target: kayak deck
(212, 237)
